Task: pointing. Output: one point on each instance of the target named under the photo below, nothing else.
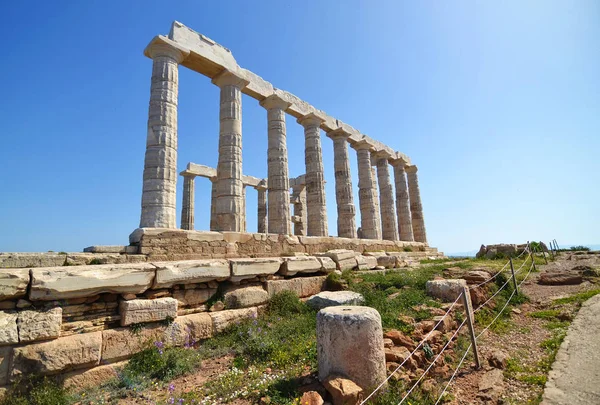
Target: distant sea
(472, 253)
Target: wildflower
(171, 387)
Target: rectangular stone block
(189, 329)
(222, 319)
(243, 297)
(344, 259)
(13, 283)
(195, 296)
(93, 377)
(8, 328)
(122, 343)
(249, 268)
(39, 325)
(327, 264)
(301, 286)
(141, 311)
(300, 264)
(188, 272)
(55, 283)
(366, 262)
(63, 354)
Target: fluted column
(299, 201)
(315, 179)
(346, 218)
(262, 206)
(389, 226)
(187, 207)
(229, 207)
(416, 208)
(277, 160)
(369, 215)
(213, 203)
(402, 201)
(243, 209)
(159, 190)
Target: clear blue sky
(498, 103)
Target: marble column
(229, 204)
(389, 226)
(277, 160)
(213, 203)
(416, 208)
(159, 189)
(187, 207)
(262, 206)
(376, 197)
(243, 208)
(315, 179)
(300, 217)
(402, 201)
(367, 201)
(346, 219)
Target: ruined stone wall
(75, 321)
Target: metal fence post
(551, 250)
(512, 270)
(466, 298)
(544, 254)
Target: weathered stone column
(376, 197)
(416, 208)
(402, 201)
(213, 203)
(187, 207)
(262, 206)
(315, 179)
(277, 159)
(346, 219)
(299, 200)
(159, 189)
(368, 214)
(229, 214)
(389, 226)
(243, 208)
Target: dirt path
(575, 376)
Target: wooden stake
(466, 298)
(512, 270)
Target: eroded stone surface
(294, 265)
(249, 268)
(140, 311)
(66, 353)
(8, 328)
(447, 290)
(84, 281)
(13, 283)
(333, 298)
(301, 286)
(189, 272)
(39, 325)
(222, 319)
(245, 297)
(194, 297)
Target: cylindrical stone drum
(350, 344)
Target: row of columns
(382, 215)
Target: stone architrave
(160, 162)
(402, 201)
(315, 179)
(346, 220)
(213, 203)
(262, 207)
(277, 161)
(416, 208)
(187, 208)
(229, 200)
(367, 199)
(389, 226)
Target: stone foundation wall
(75, 321)
(161, 244)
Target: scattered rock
(477, 276)
(492, 383)
(396, 354)
(400, 339)
(388, 342)
(498, 359)
(343, 391)
(311, 398)
(334, 298)
(21, 303)
(560, 278)
(217, 306)
(478, 296)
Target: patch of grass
(136, 328)
(35, 390)
(580, 247)
(576, 298)
(407, 248)
(161, 363)
(95, 261)
(546, 314)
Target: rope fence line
(470, 313)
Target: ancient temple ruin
(384, 216)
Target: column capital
(339, 133)
(312, 119)
(362, 145)
(382, 154)
(262, 185)
(230, 78)
(187, 173)
(274, 101)
(398, 162)
(411, 169)
(162, 46)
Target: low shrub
(162, 363)
(34, 390)
(580, 247)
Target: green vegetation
(577, 299)
(580, 247)
(95, 261)
(35, 390)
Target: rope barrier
(433, 362)
(453, 374)
(498, 273)
(414, 351)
